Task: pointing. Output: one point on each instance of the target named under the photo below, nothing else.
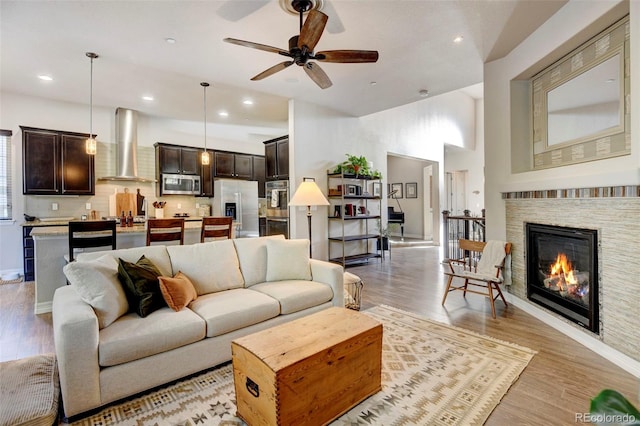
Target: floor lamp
(308, 194)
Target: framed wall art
(397, 187)
(412, 189)
(377, 189)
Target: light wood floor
(557, 384)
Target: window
(5, 174)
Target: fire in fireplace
(562, 272)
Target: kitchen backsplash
(76, 206)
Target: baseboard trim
(43, 308)
(623, 361)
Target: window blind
(5, 174)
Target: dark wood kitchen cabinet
(258, 173)
(55, 163)
(276, 153)
(177, 160)
(233, 165)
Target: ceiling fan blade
(274, 69)
(316, 73)
(347, 56)
(312, 29)
(257, 46)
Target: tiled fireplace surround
(615, 213)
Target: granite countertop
(49, 229)
(63, 221)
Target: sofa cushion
(230, 310)
(97, 283)
(296, 295)
(178, 291)
(157, 254)
(131, 337)
(211, 266)
(141, 285)
(288, 260)
(252, 255)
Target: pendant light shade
(205, 155)
(91, 144)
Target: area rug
(432, 374)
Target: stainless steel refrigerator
(238, 199)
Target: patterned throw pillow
(141, 285)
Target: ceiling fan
(301, 47)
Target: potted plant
(610, 407)
(358, 166)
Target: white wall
(471, 161)
(572, 19)
(321, 138)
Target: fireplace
(562, 272)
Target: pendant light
(91, 144)
(205, 155)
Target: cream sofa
(106, 353)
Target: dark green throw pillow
(141, 285)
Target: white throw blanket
(492, 257)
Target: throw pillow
(97, 283)
(140, 282)
(288, 260)
(212, 266)
(178, 291)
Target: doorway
(418, 200)
(455, 188)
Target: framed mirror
(588, 105)
(579, 104)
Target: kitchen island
(51, 243)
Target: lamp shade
(308, 194)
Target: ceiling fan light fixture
(294, 6)
(204, 157)
(90, 145)
(302, 46)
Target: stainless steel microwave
(181, 184)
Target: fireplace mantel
(629, 191)
(615, 213)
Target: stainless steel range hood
(126, 148)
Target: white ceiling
(414, 39)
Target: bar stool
(216, 227)
(90, 233)
(164, 230)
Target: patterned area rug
(432, 374)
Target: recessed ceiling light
(147, 98)
(424, 93)
(223, 114)
(45, 77)
(458, 39)
(373, 83)
(610, 80)
(247, 102)
(170, 40)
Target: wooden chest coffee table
(307, 371)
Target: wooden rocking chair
(481, 266)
